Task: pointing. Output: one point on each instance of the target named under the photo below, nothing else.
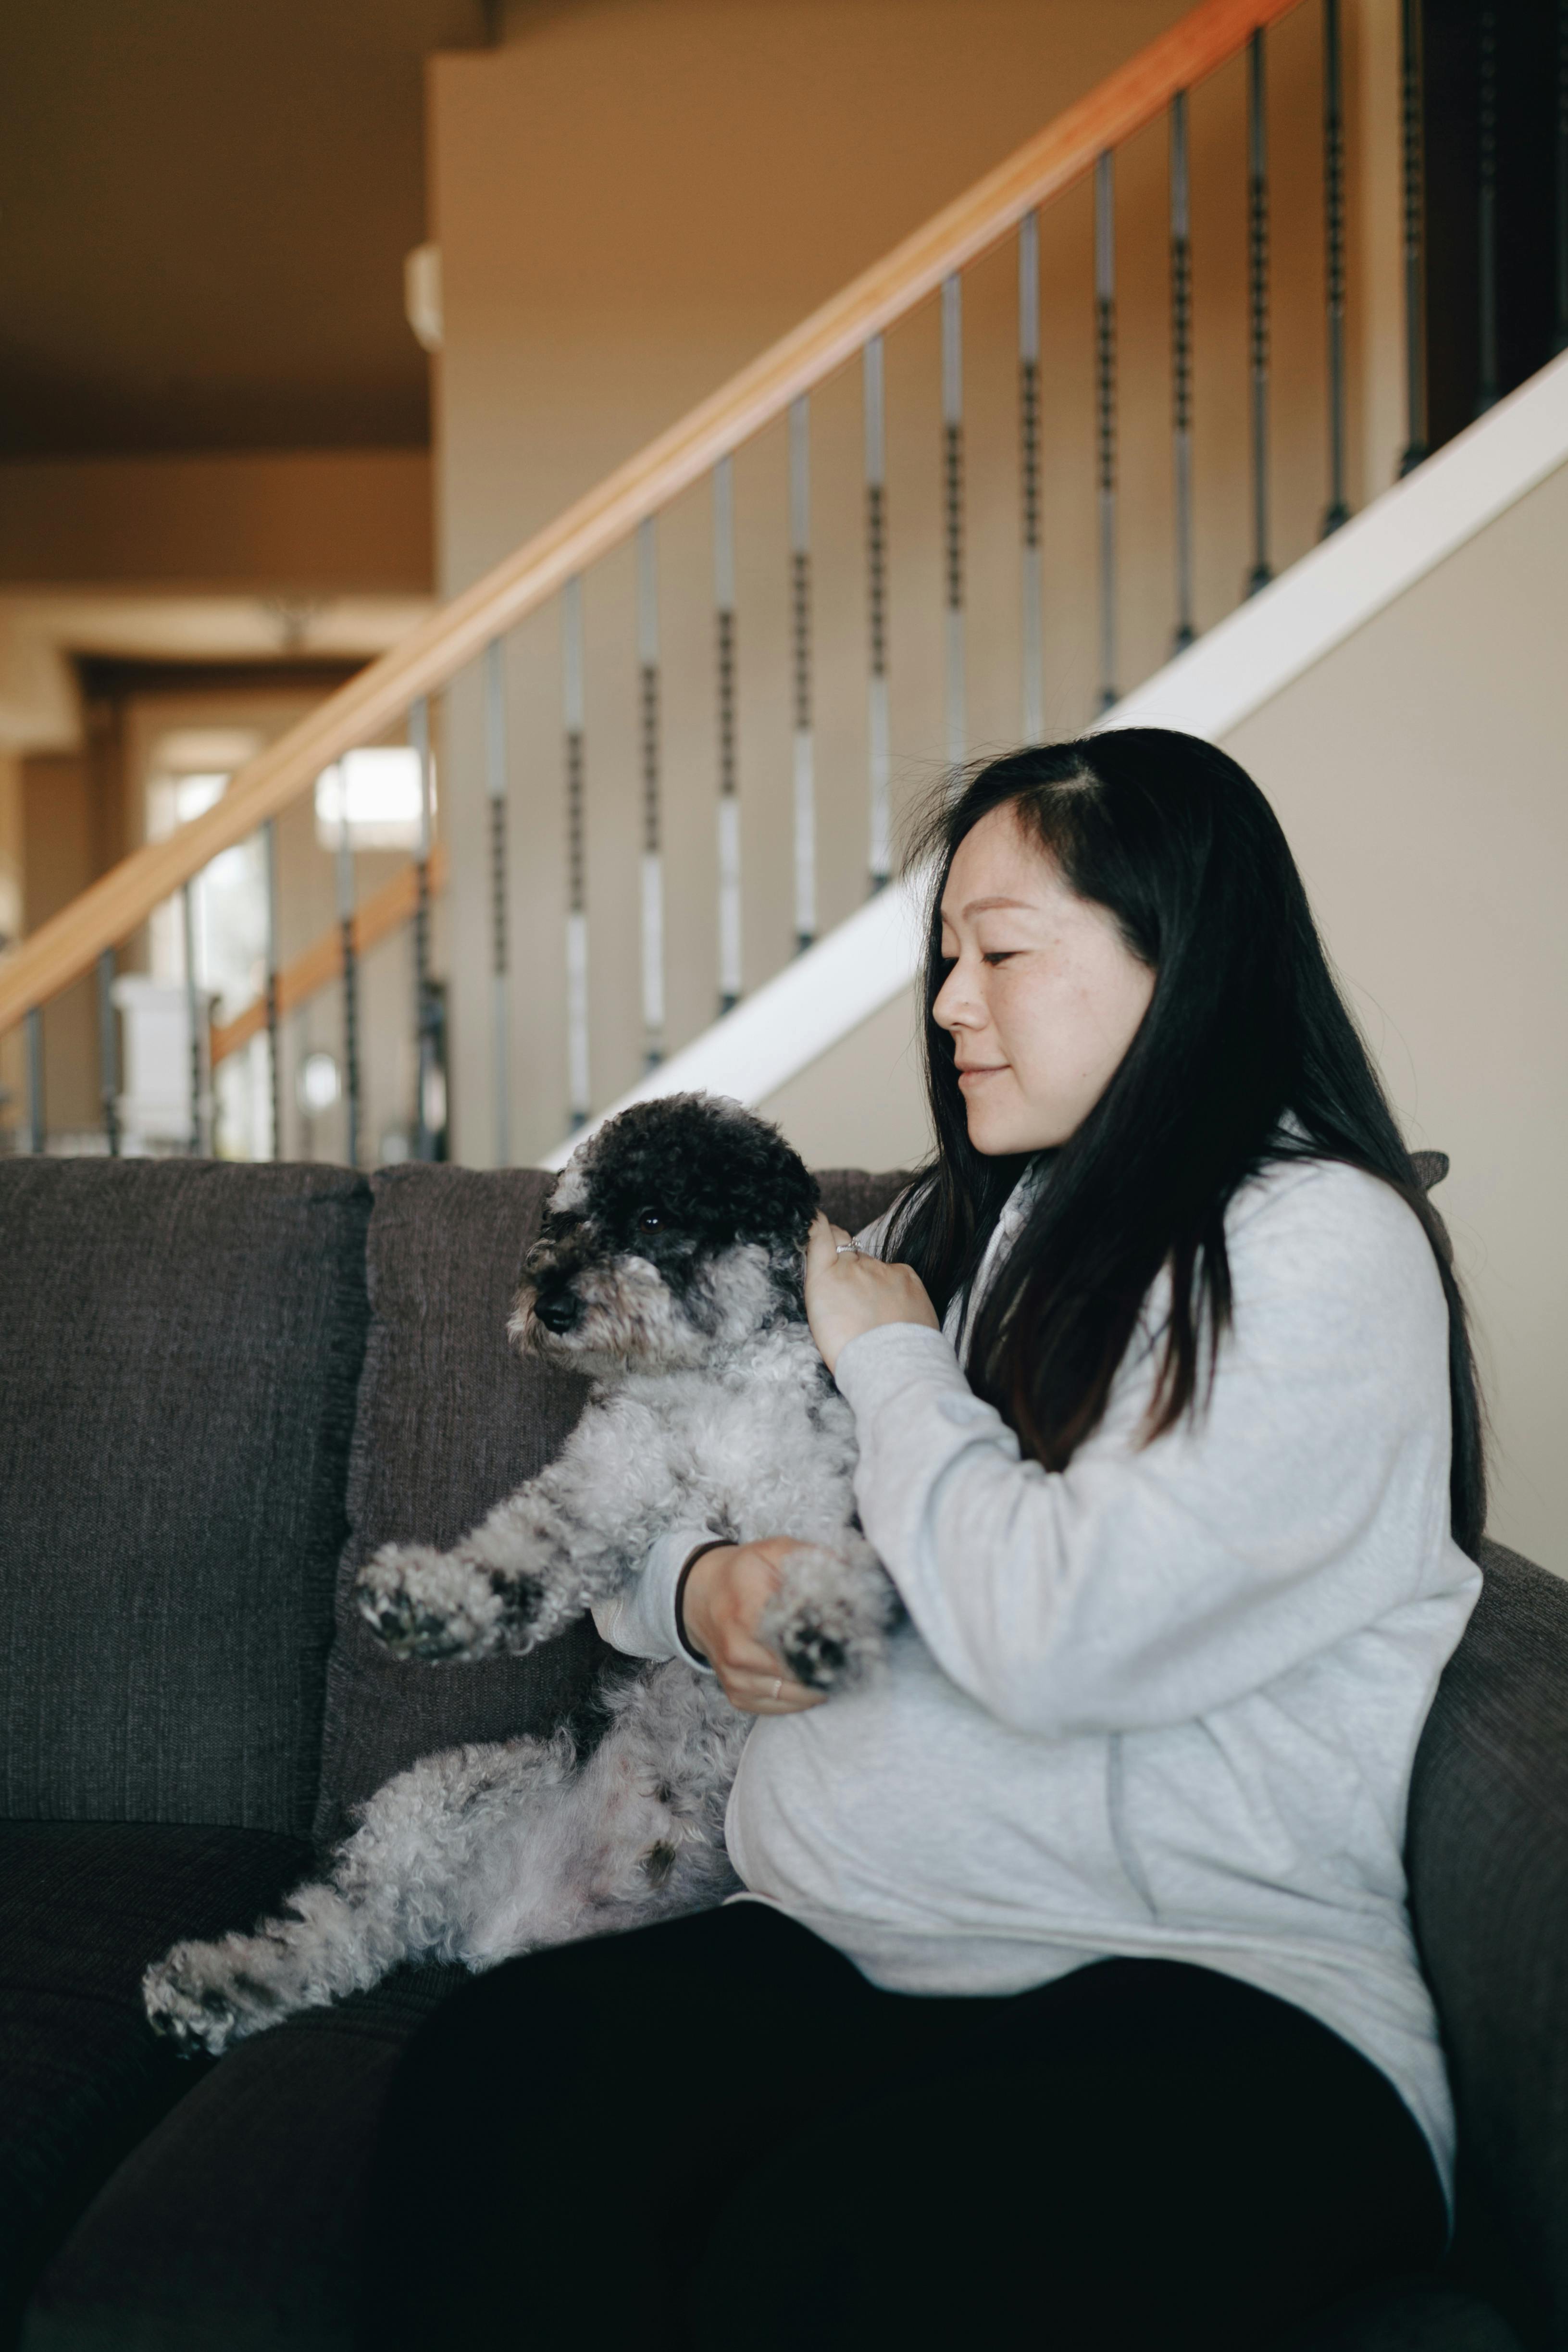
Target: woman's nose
(955, 1007)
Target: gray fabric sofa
(219, 1389)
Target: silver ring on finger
(778, 1686)
(848, 1249)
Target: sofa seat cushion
(180, 1346)
(451, 1419)
(238, 2220)
(84, 1906)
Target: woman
(1077, 2005)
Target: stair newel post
(1031, 586)
(804, 743)
(1257, 304)
(578, 1093)
(1337, 511)
(1559, 191)
(652, 875)
(35, 1037)
(952, 517)
(108, 1053)
(495, 795)
(877, 735)
(1182, 373)
(1105, 412)
(728, 795)
(195, 1022)
(1413, 181)
(345, 882)
(1487, 385)
(429, 1107)
(274, 936)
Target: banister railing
(111, 909)
(975, 431)
(304, 976)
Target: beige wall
(634, 196)
(302, 523)
(1420, 774)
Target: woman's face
(1042, 995)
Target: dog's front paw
(198, 1997)
(429, 1604)
(830, 1618)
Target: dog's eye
(648, 1220)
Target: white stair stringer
(1239, 664)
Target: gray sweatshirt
(1165, 1702)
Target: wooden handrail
(434, 651)
(384, 910)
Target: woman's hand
(725, 1594)
(849, 1294)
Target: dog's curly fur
(670, 1267)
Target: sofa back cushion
(451, 1419)
(1487, 1857)
(180, 1346)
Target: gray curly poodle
(670, 1268)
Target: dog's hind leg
(479, 1853)
(394, 1892)
(636, 1834)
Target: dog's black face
(680, 1228)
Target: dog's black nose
(558, 1310)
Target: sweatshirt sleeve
(1145, 1585)
(640, 1618)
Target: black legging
(716, 2132)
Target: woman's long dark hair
(1246, 1024)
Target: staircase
(802, 800)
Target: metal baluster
(1105, 413)
(652, 817)
(1337, 511)
(429, 1113)
(729, 798)
(307, 1128)
(495, 793)
(192, 1016)
(274, 935)
(800, 641)
(952, 513)
(1031, 594)
(1559, 331)
(108, 1051)
(1181, 371)
(1488, 386)
(1413, 175)
(578, 1096)
(351, 971)
(36, 1132)
(1257, 305)
(878, 754)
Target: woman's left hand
(854, 1293)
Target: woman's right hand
(726, 1594)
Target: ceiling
(203, 210)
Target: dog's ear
(776, 1195)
